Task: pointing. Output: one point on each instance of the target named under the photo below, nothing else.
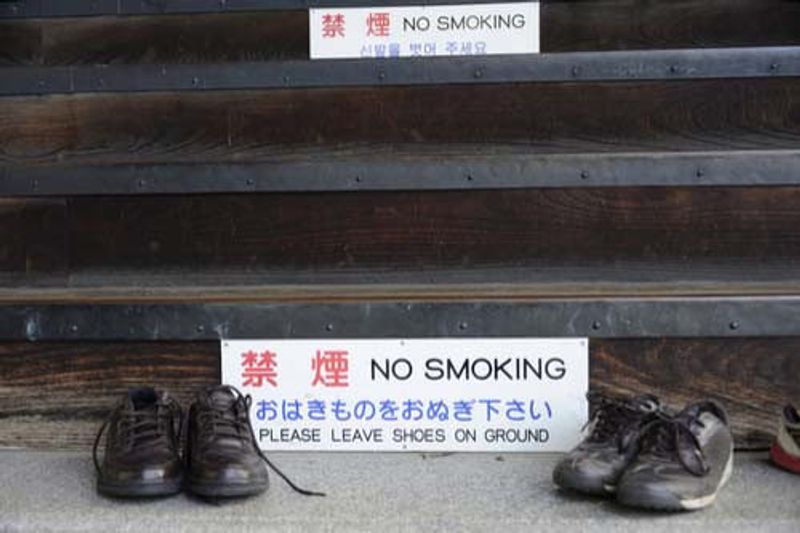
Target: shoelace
(609, 414)
(232, 425)
(141, 427)
(663, 437)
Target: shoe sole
(572, 481)
(666, 501)
(139, 490)
(783, 459)
(226, 490)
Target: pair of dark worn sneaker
(649, 457)
(143, 447)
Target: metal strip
(82, 8)
(690, 64)
(629, 318)
(741, 168)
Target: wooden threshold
(352, 293)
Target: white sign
(498, 395)
(451, 30)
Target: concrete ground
(42, 491)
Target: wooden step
(529, 118)
(609, 237)
(115, 290)
(208, 31)
(701, 133)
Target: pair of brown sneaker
(221, 456)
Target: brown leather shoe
(142, 447)
(222, 455)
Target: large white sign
(451, 30)
(417, 394)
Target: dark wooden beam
(299, 125)
(668, 231)
(723, 237)
(131, 290)
(33, 241)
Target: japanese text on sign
(420, 394)
(451, 30)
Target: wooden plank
(21, 43)
(55, 395)
(176, 38)
(636, 24)
(752, 378)
(103, 291)
(565, 26)
(33, 241)
(555, 242)
(323, 123)
(556, 234)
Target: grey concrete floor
(42, 491)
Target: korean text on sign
(451, 30)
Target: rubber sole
(226, 490)
(783, 459)
(139, 490)
(572, 480)
(657, 499)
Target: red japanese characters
(333, 26)
(259, 368)
(329, 368)
(378, 25)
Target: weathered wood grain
(565, 26)
(244, 126)
(20, 43)
(752, 378)
(55, 395)
(664, 241)
(33, 240)
(642, 24)
(669, 228)
(176, 38)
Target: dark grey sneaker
(595, 465)
(683, 461)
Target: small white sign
(498, 395)
(448, 30)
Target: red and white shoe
(785, 451)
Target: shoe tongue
(141, 398)
(220, 398)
